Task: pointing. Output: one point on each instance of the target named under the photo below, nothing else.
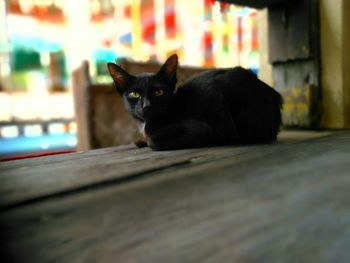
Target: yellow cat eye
(159, 92)
(134, 95)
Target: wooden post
(335, 52)
(265, 68)
(81, 85)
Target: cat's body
(217, 107)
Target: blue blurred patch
(23, 145)
(38, 44)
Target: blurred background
(43, 41)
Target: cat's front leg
(181, 135)
(140, 138)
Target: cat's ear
(119, 76)
(169, 68)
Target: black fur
(217, 107)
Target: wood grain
(28, 180)
(285, 202)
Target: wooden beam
(346, 61)
(335, 52)
(81, 83)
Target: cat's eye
(134, 95)
(159, 92)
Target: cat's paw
(140, 143)
(152, 145)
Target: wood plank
(28, 180)
(27, 183)
(285, 202)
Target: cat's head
(149, 94)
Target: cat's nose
(146, 109)
(146, 103)
(146, 106)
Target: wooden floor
(283, 202)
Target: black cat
(217, 107)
